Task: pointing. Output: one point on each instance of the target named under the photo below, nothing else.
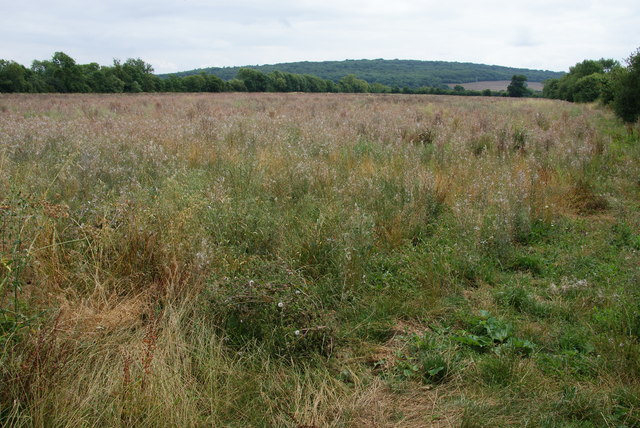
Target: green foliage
(626, 407)
(410, 74)
(15, 210)
(587, 81)
(350, 83)
(284, 318)
(518, 86)
(497, 370)
(62, 74)
(254, 81)
(519, 299)
(578, 406)
(626, 97)
(194, 83)
(486, 332)
(624, 236)
(13, 77)
(424, 359)
(589, 88)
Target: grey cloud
(185, 34)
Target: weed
(489, 333)
(284, 318)
(626, 407)
(580, 406)
(497, 370)
(585, 200)
(424, 359)
(623, 236)
(519, 299)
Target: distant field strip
(497, 85)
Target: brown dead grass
(88, 317)
(417, 406)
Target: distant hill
(394, 73)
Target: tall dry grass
(130, 222)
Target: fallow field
(494, 85)
(317, 260)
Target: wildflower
(297, 332)
(251, 283)
(280, 304)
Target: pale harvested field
(497, 85)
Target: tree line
(411, 74)
(603, 80)
(62, 74)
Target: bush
(626, 102)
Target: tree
(213, 83)
(68, 74)
(350, 83)
(551, 89)
(236, 85)
(254, 81)
(277, 82)
(586, 81)
(588, 88)
(194, 83)
(626, 89)
(13, 77)
(136, 74)
(518, 86)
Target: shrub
(626, 101)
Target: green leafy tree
(626, 97)
(588, 88)
(551, 89)
(135, 87)
(586, 81)
(67, 74)
(60, 74)
(13, 77)
(314, 83)
(236, 85)
(254, 81)
(379, 88)
(212, 83)
(518, 86)
(136, 74)
(194, 83)
(350, 83)
(277, 82)
(173, 83)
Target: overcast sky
(185, 34)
